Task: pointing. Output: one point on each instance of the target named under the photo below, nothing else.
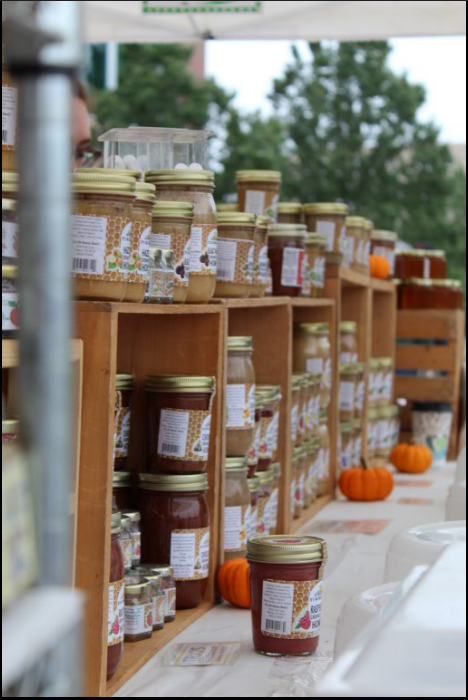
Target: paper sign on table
(216, 654)
(413, 483)
(346, 527)
(416, 501)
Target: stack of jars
(353, 377)
(423, 283)
(384, 415)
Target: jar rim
(348, 327)
(163, 569)
(287, 231)
(124, 381)
(116, 522)
(254, 483)
(121, 477)
(326, 208)
(133, 515)
(259, 176)
(290, 208)
(356, 221)
(10, 426)
(315, 238)
(135, 588)
(236, 464)
(312, 328)
(173, 482)
(180, 177)
(10, 272)
(265, 477)
(244, 343)
(236, 219)
(286, 549)
(389, 236)
(8, 204)
(178, 384)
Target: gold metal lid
(348, 327)
(326, 208)
(181, 177)
(135, 585)
(287, 231)
(265, 478)
(349, 369)
(133, 515)
(418, 282)
(276, 469)
(357, 424)
(240, 343)
(176, 384)
(323, 415)
(124, 381)
(174, 210)
(389, 236)
(236, 219)
(259, 400)
(268, 392)
(254, 483)
(149, 575)
(386, 362)
(449, 284)
(435, 253)
(121, 172)
(375, 362)
(315, 239)
(10, 272)
(369, 225)
(125, 522)
(163, 569)
(236, 464)
(286, 549)
(8, 204)
(10, 426)
(417, 253)
(262, 222)
(312, 445)
(314, 379)
(299, 381)
(312, 328)
(373, 413)
(361, 367)
(298, 452)
(173, 482)
(225, 208)
(90, 183)
(258, 176)
(10, 181)
(116, 526)
(122, 479)
(356, 222)
(346, 428)
(289, 208)
(145, 192)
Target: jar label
(271, 437)
(327, 374)
(274, 502)
(263, 515)
(291, 609)
(248, 523)
(126, 248)
(181, 245)
(235, 528)
(306, 278)
(96, 247)
(9, 110)
(255, 202)
(190, 554)
(203, 250)
(255, 449)
(317, 273)
(10, 243)
(294, 422)
(350, 250)
(253, 522)
(123, 418)
(347, 455)
(348, 358)
(235, 261)
(275, 430)
(265, 449)
(136, 548)
(160, 284)
(127, 551)
(301, 425)
(292, 268)
(347, 390)
(184, 435)
(300, 486)
(264, 265)
(138, 619)
(388, 386)
(292, 495)
(10, 306)
(327, 229)
(315, 365)
(159, 609)
(116, 613)
(240, 405)
(313, 413)
(170, 596)
(160, 240)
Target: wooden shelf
(11, 357)
(348, 277)
(310, 512)
(383, 286)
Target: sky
(249, 68)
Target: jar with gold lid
(9, 184)
(384, 245)
(364, 249)
(286, 251)
(421, 264)
(10, 303)
(116, 599)
(122, 419)
(236, 255)
(227, 208)
(240, 397)
(237, 507)
(372, 433)
(314, 268)
(357, 444)
(387, 372)
(254, 487)
(269, 425)
(347, 396)
(346, 445)
(138, 609)
(360, 397)
(295, 408)
(376, 382)
(10, 242)
(266, 480)
(274, 498)
(329, 220)
(254, 451)
(356, 238)
(262, 270)
(448, 294)
(312, 354)
(289, 213)
(195, 187)
(258, 192)
(9, 119)
(348, 343)
(312, 418)
(171, 230)
(299, 460)
(325, 455)
(312, 448)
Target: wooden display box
(142, 340)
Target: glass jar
(126, 542)
(292, 494)
(262, 270)
(289, 213)
(10, 242)
(175, 527)
(286, 251)
(348, 390)
(195, 187)
(395, 426)
(347, 445)
(171, 229)
(296, 408)
(9, 120)
(179, 423)
(269, 426)
(325, 455)
(252, 523)
(314, 269)
(274, 499)
(348, 343)
(138, 609)
(122, 491)
(237, 507)
(254, 451)
(289, 568)
(135, 532)
(123, 419)
(101, 230)
(330, 221)
(357, 446)
(236, 255)
(313, 458)
(384, 244)
(10, 431)
(158, 599)
(448, 294)
(299, 462)
(9, 184)
(258, 192)
(376, 382)
(266, 480)
(356, 240)
(10, 303)
(169, 589)
(116, 603)
(386, 368)
(421, 264)
(382, 449)
(227, 208)
(312, 354)
(240, 397)
(312, 419)
(360, 396)
(416, 294)
(372, 434)
(363, 255)
(161, 275)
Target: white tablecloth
(356, 563)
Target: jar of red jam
(175, 527)
(157, 594)
(122, 491)
(286, 250)
(271, 396)
(169, 588)
(421, 264)
(123, 418)
(448, 294)
(416, 294)
(286, 574)
(115, 637)
(179, 423)
(252, 521)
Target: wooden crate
(431, 341)
(142, 340)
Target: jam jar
(372, 433)
(314, 268)
(387, 373)
(126, 542)
(384, 244)
(9, 119)
(138, 609)
(237, 507)
(376, 382)
(240, 397)
(169, 589)
(325, 455)
(274, 499)
(289, 213)
(262, 270)
(122, 491)
(286, 568)
(416, 294)
(157, 595)
(299, 468)
(448, 294)
(195, 187)
(348, 343)
(179, 423)
(252, 522)
(312, 354)
(10, 242)
(330, 221)
(255, 449)
(421, 264)
(269, 425)
(266, 480)
(355, 239)
(363, 256)
(139, 256)
(175, 527)
(10, 431)
(171, 230)
(123, 418)
(348, 388)
(286, 250)
(115, 637)
(236, 255)
(296, 405)
(258, 192)
(10, 303)
(312, 419)
(313, 455)
(135, 532)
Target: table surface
(356, 563)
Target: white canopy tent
(342, 20)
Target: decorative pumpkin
(379, 267)
(366, 484)
(234, 582)
(412, 458)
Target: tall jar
(274, 499)
(122, 491)
(101, 229)
(347, 445)
(348, 389)
(171, 230)
(360, 397)
(116, 604)
(314, 268)
(138, 609)
(313, 448)
(10, 302)
(312, 354)
(313, 405)
(169, 588)
(356, 238)
(175, 524)
(197, 188)
(384, 244)
(387, 373)
(9, 120)
(376, 384)
(240, 397)
(10, 242)
(157, 596)
(237, 508)
(266, 480)
(357, 442)
(135, 532)
(179, 423)
(286, 250)
(325, 455)
(372, 434)
(258, 192)
(289, 213)
(122, 419)
(348, 343)
(262, 270)
(330, 221)
(271, 397)
(254, 452)
(236, 255)
(254, 487)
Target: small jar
(254, 451)
(357, 445)
(169, 589)
(289, 213)
(299, 460)
(10, 303)
(382, 451)
(387, 373)
(313, 469)
(122, 418)
(274, 499)
(314, 268)
(329, 220)
(376, 383)
(236, 256)
(347, 445)
(138, 609)
(290, 568)
(364, 253)
(312, 354)
(372, 434)
(312, 419)
(355, 238)
(10, 242)
(258, 192)
(266, 480)
(171, 229)
(10, 431)
(135, 532)
(179, 423)
(271, 398)
(126, 542)
(421, 264)
(157, 595)
(262, 279)
(175, 527)
(101, 229)
(195, 187)
(448, 294)
(10, 182)
(348, 343)
(348, 389)
(325, 455)
(286, 250)
(122, 491)
(9, 119)
(116, 601)
(360, 397)
(252, 522)
(240, 397)
(237, 507)
(384, 244)
(296, 407)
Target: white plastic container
(456, 502)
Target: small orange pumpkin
(411, 458)
(380, 267)
(366, 484)
(234, 582)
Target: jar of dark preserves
(286, 250)
(115, 637)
